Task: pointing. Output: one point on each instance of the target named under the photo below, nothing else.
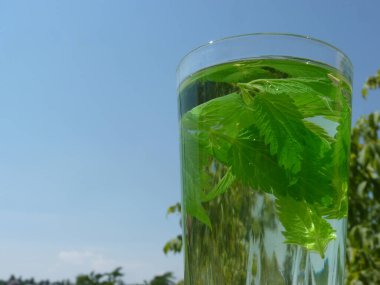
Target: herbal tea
(265, 149)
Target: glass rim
(285, 35)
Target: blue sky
(88, 119)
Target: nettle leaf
(217, 122)
(209, 130)
(339, 167)
(339, 208)
(316, 105)
(253, 164)
(280, 123)
(220, 127)
(223, 185)
(322, 134)
(262, 137)
(300, 85)
(228, 115)
(192, 198)
(244, 72)
(303, 225)
(341, 148)
(313, 97)
(193, 160)
(314, 181)
(213, 142)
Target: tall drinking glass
(265, 135)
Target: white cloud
(88, 259)
(135, 268)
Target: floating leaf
(312, 96)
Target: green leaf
(280, 123)
(221, 187)
(303, 225)
(341, 148)
(364, 93)
(228, 114)
(193, 160)
(243, 72)
(217, 122)
(294, 139)
(173, 245)
(260, 134)
(176, 208)
(295, 86)
(253, 164)
(313, 97)
(339, 208)
(220, 126)
(339, 167)
(320, 132)
(208, 130)
(192, 198)
(314, 181)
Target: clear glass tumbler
(265, 136)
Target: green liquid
(264, 151)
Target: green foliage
(372, 82)
(164, 279)
(173, 245)
(193, 160)
(302, 223)
(281, 126)
(260, 132)
(93, 278)
(310, 95)
(249, 151)
(363, 240)
(176, 208)
(31, 281)
(223, 185)
(110, 278)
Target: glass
(265, 134)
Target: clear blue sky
(88, 119)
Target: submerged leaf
(253, 164)
(278, 136)
(280, 123)
(320, 132)
(313, 97)
(339, 167)
(221, 187)
(209, 130)
(339, 208)
(217, 122)
(314, 181)
(193, 161)
(303, 225)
